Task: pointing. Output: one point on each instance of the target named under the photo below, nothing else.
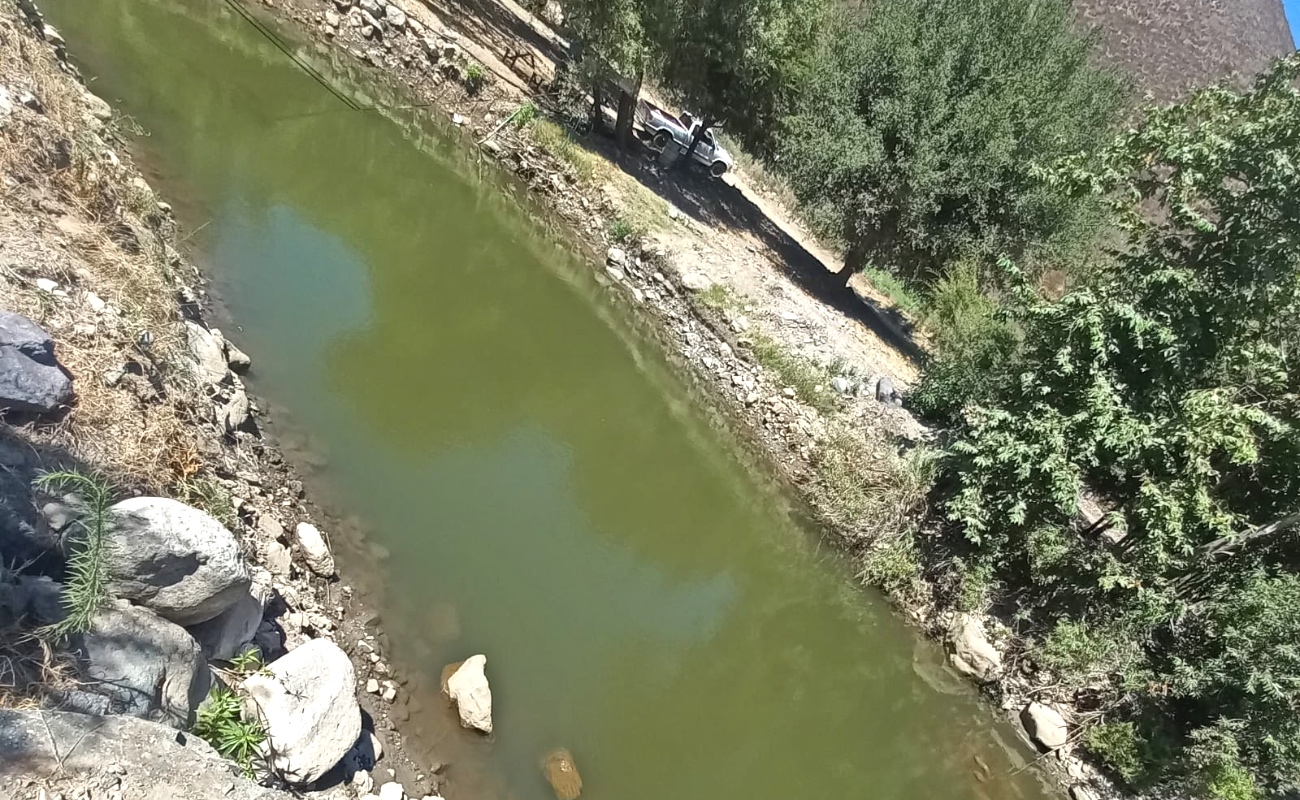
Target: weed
(903, 296)
(621, 229)
(802, 376)
(220, 722)
(894, 568)
(716, 296)
(208, 494)
(524, 115)
(556, 141)
(247, 662)
(475, 78)
(86, 587)
(868, 493)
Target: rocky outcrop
(142, 759)
(308, 702)
(145, 665)
(1046, 727)
(315, 552)
(174, 559)
(30, 378)
(970, 650)
(468, 688)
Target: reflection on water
(544, 490)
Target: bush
(85, 587)
(973, 346)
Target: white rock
(208, 351)
(174, 559)
(970, 650)
(457, 119)
(98, 107)
(1080, 792)
(372, 686)
(308, 702)
(392, 791)
(314, 549)
(1045, 726)
(615, 273)
(696, 281)
(674, 212)
(332, 18)
(390, 694)
(740, 324)
(468, 687)
(616, 256)
(237, 359)
(278, 558)
(95, 302)
(395, 16)
(842, 384)
(46, 285)
(362, 782)
(237, 413)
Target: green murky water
(547, 493)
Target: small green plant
(247, 662)
(716, 296)
(806, 379)
(1119, 747)
(524, 115)
(211, 496)
(475, 78)
(86, 587)
(622, 229)
(220, 722)
(894, 568)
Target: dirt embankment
(157, 409)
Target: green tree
(737, 62)
(1168, 391)
(921, 121)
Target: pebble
(46, 285)
(391, 791)
(372, 686)
(788, 391)
(457, 119)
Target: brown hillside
(1173, 46)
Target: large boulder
(308, 702)
(30, 378)
(146, 666)
(1045, 726)
(174, 559)
(226, 635)
(468, 688)
(971, 651)
(151, 761)
(209, 352)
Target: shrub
(85, 587)
(220, 722)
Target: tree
(921, 121)
(737, 61)
(1170, 391)
(613, 36)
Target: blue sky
(1293, 16)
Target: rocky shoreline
(213, 551)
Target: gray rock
(278, 559)
(314, 550)
(395, 16)
(1081, 792)
(146, 666)
(364, 755)
(30, 377)
(42, 599)
(174, 559)
(226, 635)
(237, 413)
(970, 650)
(468, 688)
(84, 702)
(887, 394)
(1045, 726)
(371, 7)
(696, 281)
(616, 256)
(98, 107)
(156, 762)
(842, 384)
(209, 353)
(308, 701)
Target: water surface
(546, 492)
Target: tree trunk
(597, 111)
(627, 112)
(854, 260)
(689, 156)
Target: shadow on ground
(716, 203)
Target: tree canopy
(1168, 393)
(921, 121)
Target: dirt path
(777, 279)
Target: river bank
(156, 410)
(738, 301)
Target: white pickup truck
(661, 128)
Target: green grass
(811, 384)
(716, 297)
(220, 722)
(85, 590)
(208, 494)
(621, 229)
(556, 141)
(904, 297)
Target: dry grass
(71, 214)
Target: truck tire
(661, 139)
(718, 169)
